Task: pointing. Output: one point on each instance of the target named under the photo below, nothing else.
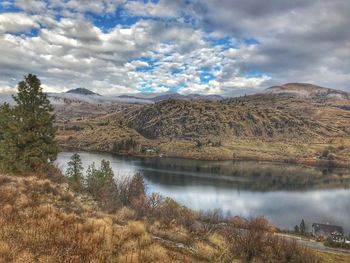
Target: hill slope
(82, 91)
(273, 126)
(260, 116)
(306, 90)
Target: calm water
(282, 193)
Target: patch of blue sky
(206, 75)
(146, 89)
(250, 41)
(34, 32)
(189, 20)
(174, 89)
(255, 73)
(144, 69)
(176, 71)
(9, 6)
(152, 63)
(167, 54)
(225, 42)
(145, 86)
(109, 21)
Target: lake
(282, 193)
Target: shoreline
(305, 162)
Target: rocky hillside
(262, 116)
(310, 91)
(275, 126)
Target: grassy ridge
(258, 127)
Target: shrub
(256, 242)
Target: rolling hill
(266, 116)
(309, 91)
(277, 125)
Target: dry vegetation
(45, 221)
(257, 127)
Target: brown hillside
(259, 116)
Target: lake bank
(314, 162)
(241, 188)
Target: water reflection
(282, 193)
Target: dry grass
(44, 221)
(38, 223)
(333, 258)
(301, 130)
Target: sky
(224, 47)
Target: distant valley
(295, 122)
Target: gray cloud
(304, 41)
(299, 40)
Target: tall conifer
(27, 140)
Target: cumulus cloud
(299, 40)
(16, 23)
(31, 5)
(165, 9)
(210, 47)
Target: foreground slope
(45, 221)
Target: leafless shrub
(255, 241)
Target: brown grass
(44, 221)
(38, 224)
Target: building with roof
(324, 231)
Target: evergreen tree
(27, 139)
(296, 229)
(302, 227)
(75, 169)
(107, 171)
(9, 153)
(37, 133)
(98, 179)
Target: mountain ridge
(307, 90)
(82, 91)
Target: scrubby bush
(255, 242)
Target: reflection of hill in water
(242, 175)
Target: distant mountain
(306, 90)
(157, 97)
(82, 91)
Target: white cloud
(165, 8)
(73, 52)
(16, 23)
(31, 5)
(161, 89)
(7, 89)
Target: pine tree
(296, 229)
(98, 179)
(75, 170)
(9, 154)
(37, 133)
(107, 171)
(302, 227)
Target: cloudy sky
(188, 46)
